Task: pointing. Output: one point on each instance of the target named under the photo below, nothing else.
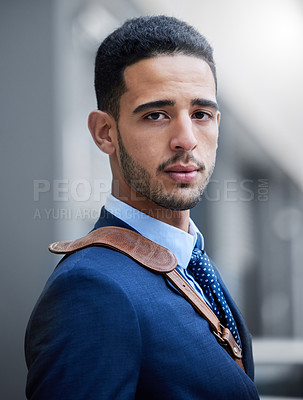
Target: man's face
(167, 130)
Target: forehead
(175, 77)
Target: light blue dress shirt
(176, 240)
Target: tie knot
(201, 268)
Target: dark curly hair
(137, 39)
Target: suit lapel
(242, 328)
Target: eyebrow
(153, 104)
(163, 103)
(205, 103)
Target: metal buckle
(220, 339)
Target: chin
(177, 203)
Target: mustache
(185, 158)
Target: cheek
(146, 151)
(208, 146)
(147, 159)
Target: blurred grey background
(54, 179)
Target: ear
(218, 118)
(100, 125)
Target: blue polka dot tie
(202, 270)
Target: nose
(183, 137)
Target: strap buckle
(225, 339)
(219, 336)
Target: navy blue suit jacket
(104, 327)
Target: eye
(202, 116)
(155, 116)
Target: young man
(104, 326)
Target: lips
(183, 173)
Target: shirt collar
(176, 240)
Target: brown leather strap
(151, 255)
(156, 258)
(223, 335)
